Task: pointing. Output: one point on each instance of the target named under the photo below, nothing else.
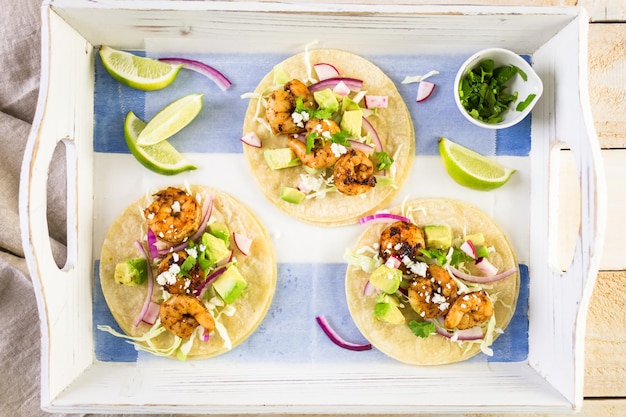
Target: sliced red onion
(148, 299)
(376, 102)
(424, 90)
(352, 83)
(325, 71)
(152, 244)
(469, 248)
(242, 242)
(486, 267)
(341, 89)
(217, 77)
(375, 138)
(383, 218)
(205, 335)
(338, 340)
(393, 262)
(473, 333)
(210, 279)
(152, 313)
(251, 139)
(360, 146)
(369, 288)
(481, 279)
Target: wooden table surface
(605, 343)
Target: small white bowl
(503, 57)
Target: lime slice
(171, 119)
(138, 72)
(161, 158)
(472, 169)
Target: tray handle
(64, 117)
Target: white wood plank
(607, 86)
(605, 10)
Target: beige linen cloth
(20, 62)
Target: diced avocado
(326, 99)
(477, 239)
(221, 231)
(292, 195)
(131, 272)
(352, 121)
(216, 248)
(387, 310)
(386, 279)
(280, 75)
(280, 158)
(481, 251)
(313, 171)
(438, 237)
(348, 105)
(230, 284)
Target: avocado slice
(438, 236)
(230, 284)
(326, 99)
(292, 195)
(280, 158)
(387, 309)
(352, 122)
(131, 272)
(386, 279)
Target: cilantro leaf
(523, 104)
(340, 138)
(458, 257)
(483, 92)
(383, 160)
(435, 254)
(187, 266)
(313, 113)
(422, 328)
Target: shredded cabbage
(365, 262)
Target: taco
(328, 152)
(187, 272)
(433, 282)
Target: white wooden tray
(76, 375)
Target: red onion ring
(200, 67)
(353, 83)
(338, 340)
(383, 218)
(481, 279)
(148, 299)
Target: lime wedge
(161, 158)
(171, 119)
(138, 72)
(472, 169)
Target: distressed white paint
(72, 381)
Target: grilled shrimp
(174, 215)
(174, 284)
(433, 295)
(354, 173)
(469, 310)
(322, 155)
(401, 239)
(181, 314)
(281, 105)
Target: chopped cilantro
(435, 254)
(187, 266)
(422, 328)
(483, 93)
(458, 257)
(523, 104)
(313, 113)
(383, 160)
